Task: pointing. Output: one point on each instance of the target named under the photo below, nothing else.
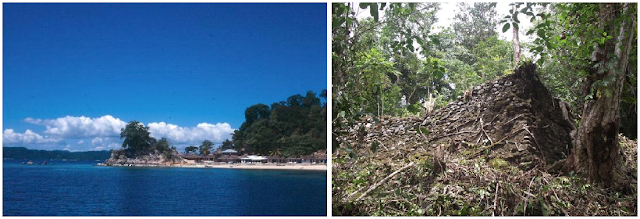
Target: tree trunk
(596, 149)
(516, 44)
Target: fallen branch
(384, 180)
(512, 119)
(480, 150)
(495, 200)
(447, 135)
(526, 200)
(526, 128)
(485, 133)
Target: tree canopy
(288, 128)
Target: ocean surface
(82, 189)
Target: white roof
(254, 157)
(229, 151)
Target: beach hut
(254, 159)
(209, 157)
(276, 159)
(192, 157)
(315, 158)
(228, 159)
(229, 152)
(294, 160)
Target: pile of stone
(514, 118)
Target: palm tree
(205, 147)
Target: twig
(526, 200)
(385, 147)
(384, 180)
(353, 193)
(512, 119)
(526, 128)
(495, 200)
(550, 186)
(485, 133)
(497, 142)
(447, 135)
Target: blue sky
(73, 74)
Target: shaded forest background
(385, 65)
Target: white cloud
(102, 143)
(191, 135)
(81, 127)
(9, 136)
(103, 133)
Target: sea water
(83, 189)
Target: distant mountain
(24, 153)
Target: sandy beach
(315, 167)
(266, 167)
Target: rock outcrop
(119, 158)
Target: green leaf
(515, 26)
(423, 131)
(530, 32)
(532, 19)
(506, 27)
(515, 17)
(341, 10)
(374, 146)
(542, 34)
(364, 5)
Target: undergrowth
(477, 187)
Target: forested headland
(24, 153)
(292, 128)
(459, 120)
(295, 127)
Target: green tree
(297, 116)
(492, 55)
(190, 150)
(136, 138)
(205, 147)
(601, 37)
(163, 145)
(226, 144)
(474, 24)
(256, 112)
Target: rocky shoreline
(316, 167)
(119, 159)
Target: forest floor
(494, 151)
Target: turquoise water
(81, 189)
